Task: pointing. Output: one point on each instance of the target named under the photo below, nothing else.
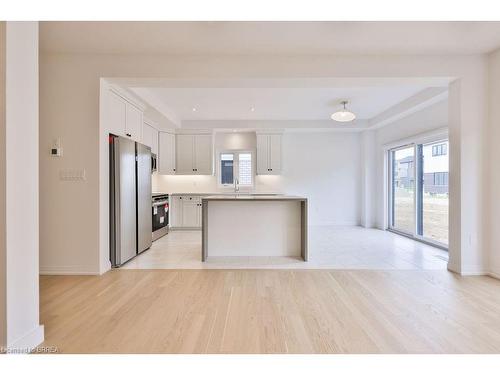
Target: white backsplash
(208, 184)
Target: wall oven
(160, 208)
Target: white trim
(192, 131)
(150, 122)
(69, 270)
(425, 137)
(30, 340)
(128, 97)
(416, 103)
(235, 152)
(494, 275)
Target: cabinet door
(147, 136)
(176, 203)
(133, 122)
(262, 154)
(274, 153)
(203, 152)
(166, 156)
(200, 216)
(189, 213)
(184, 149)
(154, 141)
(116, 110)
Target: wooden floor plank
(271, 311)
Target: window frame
(439, 149)
(236, 166)
(439, 136)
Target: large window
(236, 166)
(418, 190)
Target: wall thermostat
(56, 149)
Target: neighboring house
(404, 174)
(436, 168)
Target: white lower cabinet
(175, 211)
(185, 211)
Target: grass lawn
(435, 217)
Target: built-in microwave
(154, 162)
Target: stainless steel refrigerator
(130, 199)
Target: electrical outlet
(72, 174)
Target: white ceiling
(290, 38)
(275, 103)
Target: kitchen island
(254, 225)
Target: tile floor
(331, 247)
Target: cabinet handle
(190, 198)
(174, 169)
(180, 197)
(128, 135)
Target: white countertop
(226, 193)
(254, 197)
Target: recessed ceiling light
(194, 109)
(252, 109)
(343, 115)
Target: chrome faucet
(236, 186)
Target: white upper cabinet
(123, 118)
(133, 122)
(203, 154)
(154, 145)
(166, 155)
(184, 150)
(262, 154)
(147, 135)
(194, 154)
(275, 153)
(116, 109)
(150, 137)
(269, 153)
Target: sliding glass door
(433, 194)
(418, 191)
(403, 189)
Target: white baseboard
(29, 341)
(68, 270)
(334, 224)
(494, 275)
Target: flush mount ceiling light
(343, 115)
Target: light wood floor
(271, 311)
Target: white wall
(3, 244)
(323, 167)
(23, 329)
(493, 158)
(70, 107)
